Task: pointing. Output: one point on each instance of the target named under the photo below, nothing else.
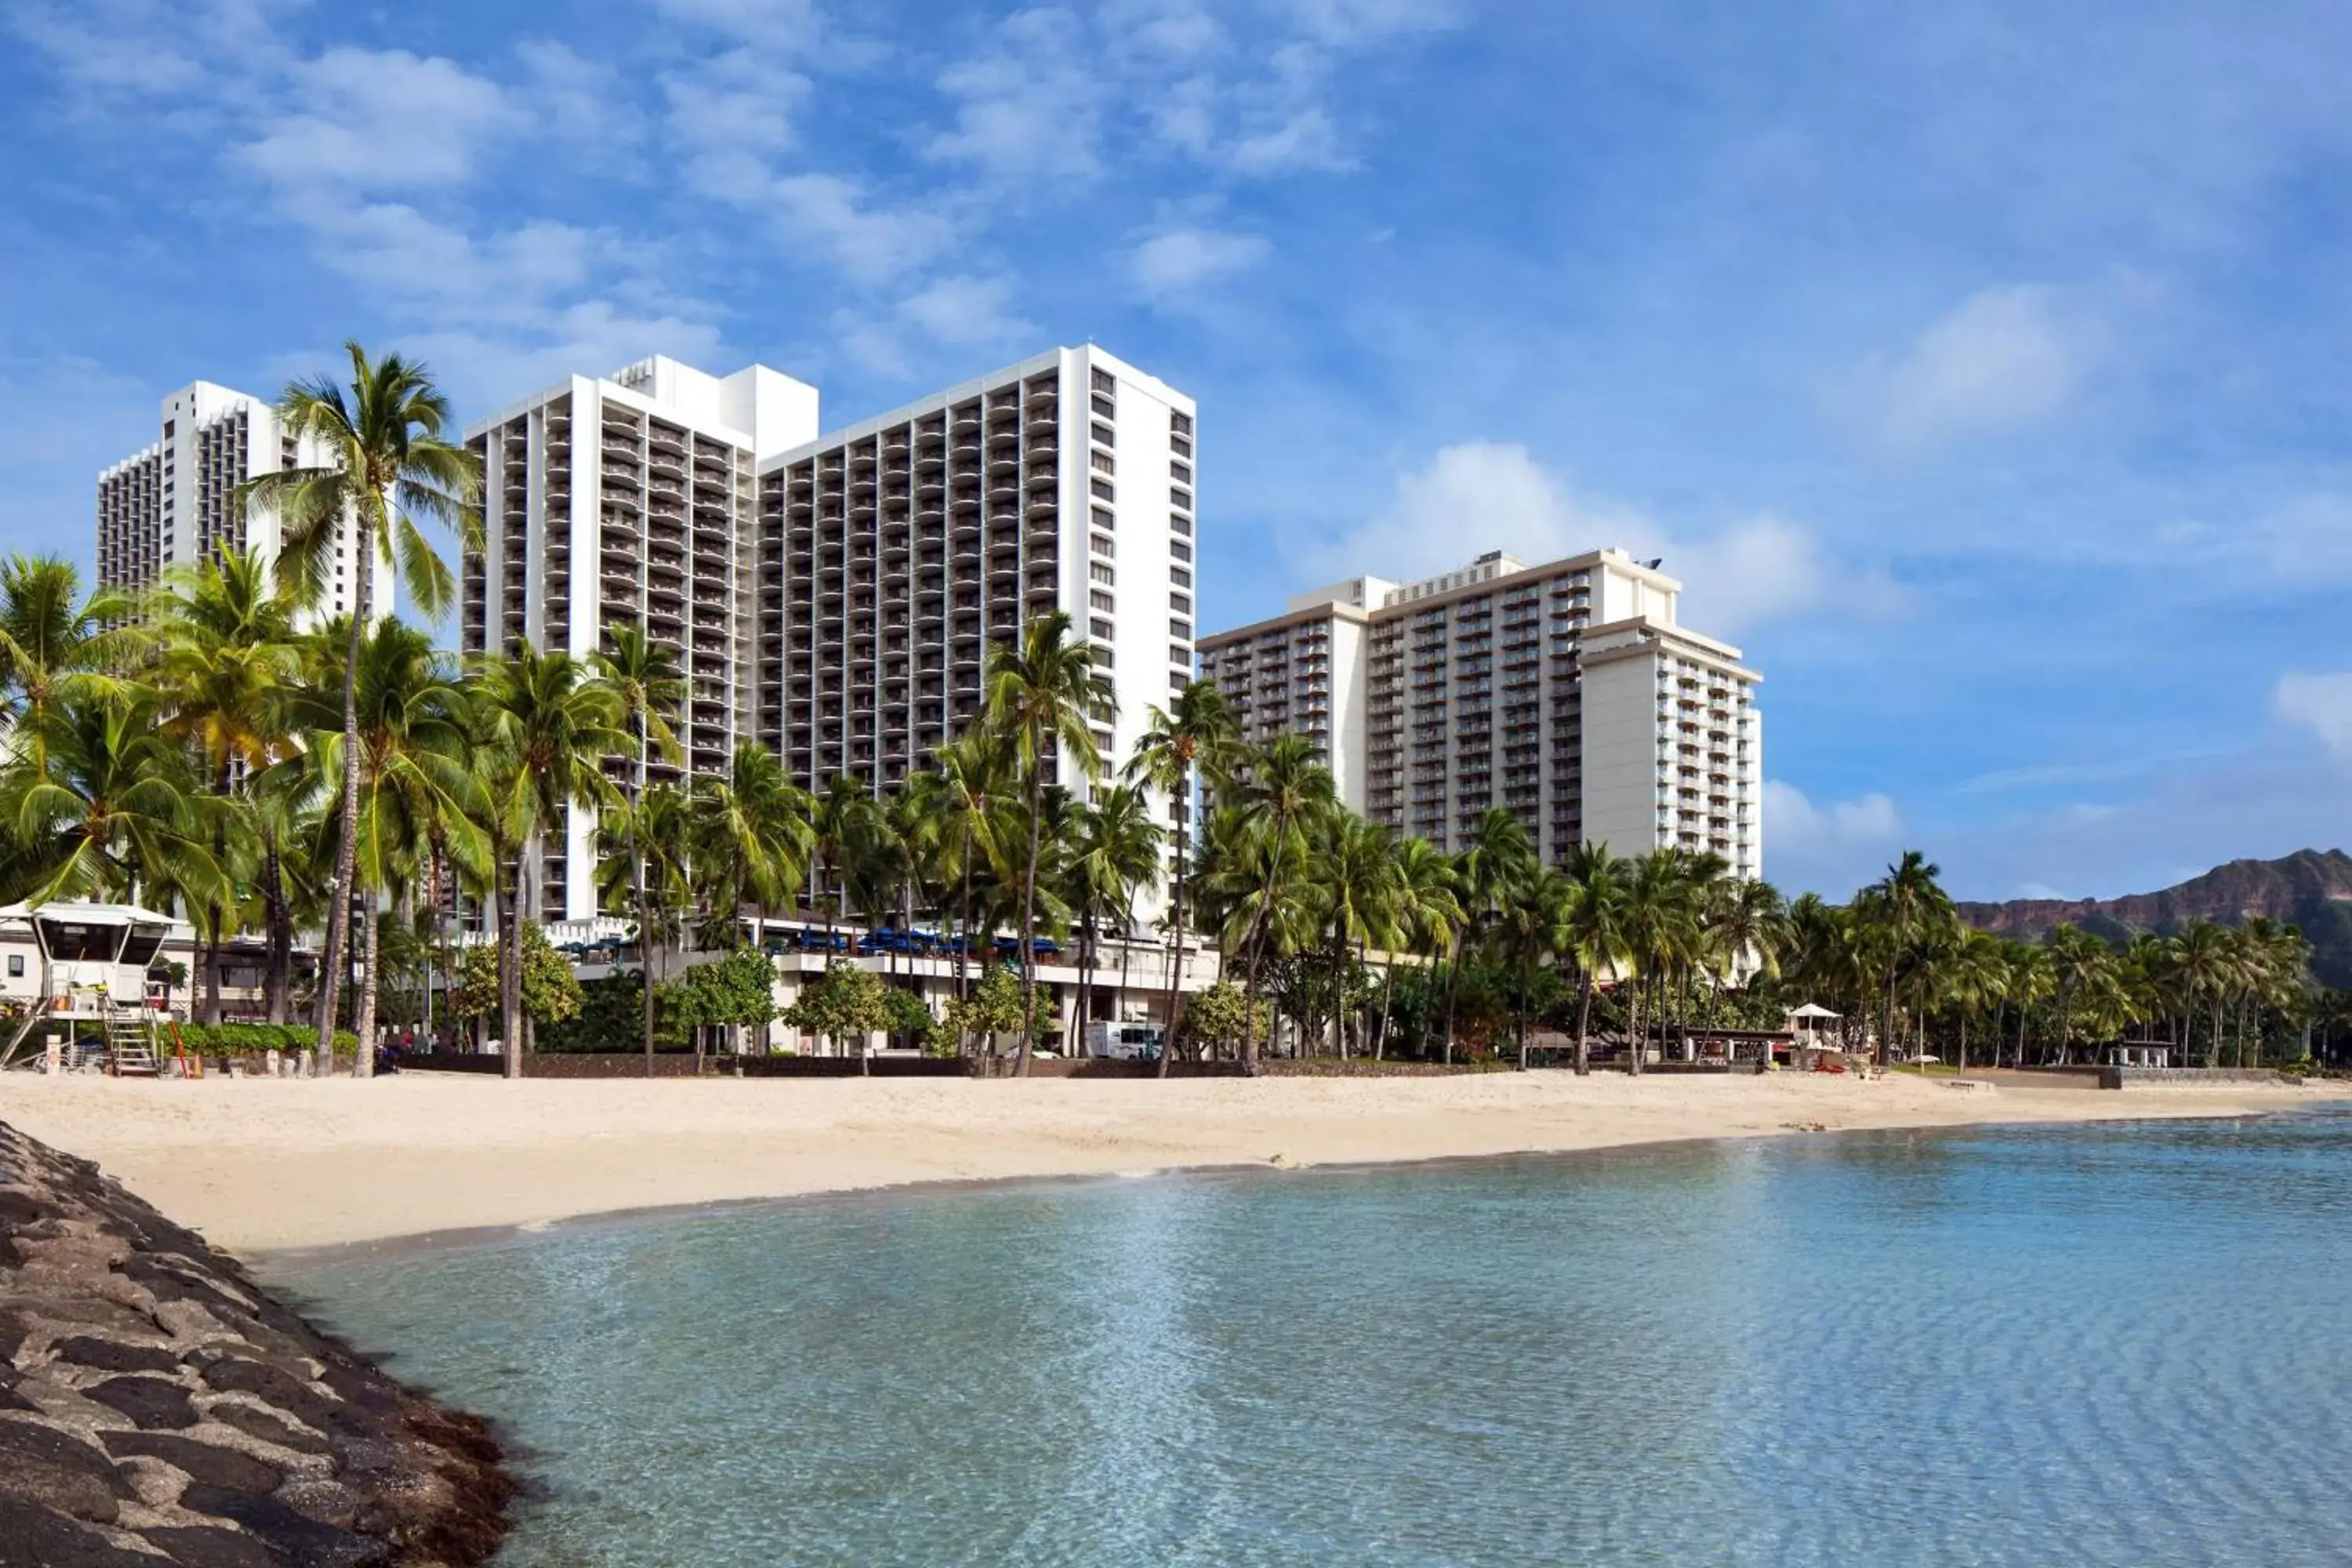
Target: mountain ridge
(2311, 888)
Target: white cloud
(1481, 495)
(1367, 21)
(2323, 703)
(2000, 359)
(734, 108)
(2309, 537)
(1028, 109)
(1177, 260)
(868, 241)
(965, 312)
(775, 25)
(1830, 849)
(381, 119)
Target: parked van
(1124, 1042)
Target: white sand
(260, 1164)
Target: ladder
(130, 1043)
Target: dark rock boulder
(151, 1393)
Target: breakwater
(154, 1400)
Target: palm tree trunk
(347, 849)
(637, 877)
(1175, 960)
(363, 1062)
(511, 958)
(1584, 1026)
(1452, 980)
(278, 981)
(1029, 931)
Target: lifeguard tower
(93, 982)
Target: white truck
(1123, 1042)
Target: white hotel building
(833, 596)
(1566, 694)
(177, 502)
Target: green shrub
(214, 1041)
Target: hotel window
(1181, 525)
(1101, 573)
(1180, 498)
(1181, 552)
(1100, 628)
(1181, 602)
(1101, 543)
(1177, 575)
(1181, 424)
(1179, 628)
(1182, 447)
(1177, 655)
(1102, 490)
(1105, 407)
(1102, 601)
(1102, 462)
(1180, 472)
(1105, 382)
(1102, 519)
(1106, 434)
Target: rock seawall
(158, 1407)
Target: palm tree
(2205, 965)
(1499, 852)
(1193, 741)
(57, 645)
(1900, 910)
(844, 819)
(418, 788)
(1281, 792)
(388, 466)
(1355, 878)
(1593, 930)
(1976, 973)
(751, 837)
(644, 676)
(973, 771)
(1116, 855)
(226, 655)
(101, 803)
(1746, 930)
(1530, 925)
(2032, 981)
(550, 724)
(2081, 965)
(1045, 697)
(1427, 915)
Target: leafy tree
(550, 993)
(846, 1003)
(1220, 1014)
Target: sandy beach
(260, 1165)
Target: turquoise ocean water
(2117, 1344)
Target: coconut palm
(419, 792)
(1280, 792)
(102, 804)
(1194, 742)
(57, 643)
(1045, 697)
(1529, 925)
(975, 783)
(644, 679)
(388, 467)
(1593, 933)
(1975, 975)
(225, 658)
(1356, 878)
(1117, 853)
(549, 724)
(1428, 914)
(2084, 968)
(845, 820)
(1498, 853)
(1898, 911)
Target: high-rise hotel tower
(834, 598)
(1565, 693)
(176, 502)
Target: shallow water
(2111, 1344)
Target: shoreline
(270, 1169)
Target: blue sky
(1982, 368)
